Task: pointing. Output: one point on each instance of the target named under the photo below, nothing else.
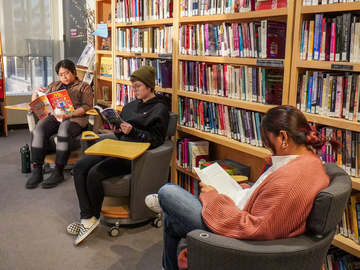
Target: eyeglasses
(136, 87)
(66, 73)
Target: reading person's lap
(182, 209)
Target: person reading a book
(67, 126)
(275, 207)
(143, 120)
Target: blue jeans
(182, 214)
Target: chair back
(330, 203)
(172, 125)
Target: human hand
(126, 127)
(206, 188)
(60, 116)
(40, 89)
(114, 129)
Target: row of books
(124, 94)
(348, 157)
(189, 8)
(331, 39)
(325, 2)
(148, 40)
(124, 67)
(188, 183)
(234, 123)
(248, 83)
(191, 152)
(337, 258)
(330, 94)
(265, 39)
(143, 10)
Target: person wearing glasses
(67, 126)
(145, 120)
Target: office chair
(208, 251)
(126, 193)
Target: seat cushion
(118, 186)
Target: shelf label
(342, 67)
(270, 63)
(137, 54)
(129, 23)
(165, 56)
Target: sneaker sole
(82, 238)
(34, 185)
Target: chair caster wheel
(157, 223)
(113, 231)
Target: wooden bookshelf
(3, 116)
(306, 13)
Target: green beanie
(145, 74)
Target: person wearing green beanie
(145, 120)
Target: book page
(41, 107)
(217, 177)
(61, 102)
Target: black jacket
(149, 121)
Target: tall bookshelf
(3, 118)
(299, 66)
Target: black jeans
(66, 131)
(89, 172)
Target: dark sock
(37, 166)
(59, 167)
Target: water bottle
(25, 159)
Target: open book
(109, 115)
(53, 103)
(217, 177)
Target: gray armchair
(210, 251)
(149, 172)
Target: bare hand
(60, 117)
(206, 188)
(40, 89)
(126, 127)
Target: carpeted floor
(33, 225)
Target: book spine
(317, 36)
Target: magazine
(86, 57)
(109, 115)
(217, 177)
(53, 103)
(88, 77)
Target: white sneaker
(152, 202)
(84, 232)
(73, 228)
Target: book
(230, 166)
(106, 66)
(109, 116)
(198, 152)
(86, 59)
(53, 103)
(217, 177)
(88, 77)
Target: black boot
(35, 179)
(56, 177)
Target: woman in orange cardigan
(276, 206)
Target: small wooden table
(120, 149)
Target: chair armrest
(149, 172)
(205, 249)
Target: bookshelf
(303, 13)
(3, 118)
(221, 146)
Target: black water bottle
(25, 159)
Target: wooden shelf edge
(355, 183)
(326, 65)
(334, 122)
(231, 143)
(346, 244)
(104, 103)
(145, 23)
(104, 78)
(247, 105)
(186, 171)
(330, 8)
(236, 16)
(108, 52)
